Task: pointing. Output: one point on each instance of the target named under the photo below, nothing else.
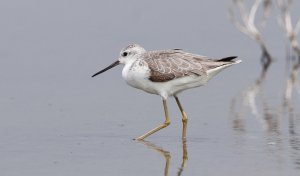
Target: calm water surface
(56, 120)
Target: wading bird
(167, 73)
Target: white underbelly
(166, 89)
(138, 77)
(178, 85)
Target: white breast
(136, 74)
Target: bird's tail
(229, 59)
(221, 64)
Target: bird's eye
(124, 54)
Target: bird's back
(167, 65)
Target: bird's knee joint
(184, 120)
(167, 123)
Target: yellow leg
(165, 124)
(184, 157)
(184, 118)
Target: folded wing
(171, 64)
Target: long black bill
(107, 68)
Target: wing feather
(171, 64)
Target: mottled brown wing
(171, 64)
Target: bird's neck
(127, 67)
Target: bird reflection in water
(244, 21)
(289, 110)
(292, 80)
(167, 155)
(253, 96)
(249, 98)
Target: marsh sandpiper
(167, 73)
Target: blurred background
(57, 120)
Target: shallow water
(56, 120)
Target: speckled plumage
(166, 65)
(167, 73)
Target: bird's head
(127, 54)
(130, 52)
